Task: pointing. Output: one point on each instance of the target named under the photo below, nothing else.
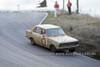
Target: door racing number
(43, 41)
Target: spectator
(56, 6)
(69, 4)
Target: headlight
(53, 42)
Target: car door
(37, 32)
(43, 38)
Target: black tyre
(53, 48)
(72, 50)
(32, 41)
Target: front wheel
(53, 48)
(32, 41)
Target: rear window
(37, 30)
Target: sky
(86, 6)
(12, 4)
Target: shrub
(70, 28)
(97, 55)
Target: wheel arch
(31, 38)
(51, 45)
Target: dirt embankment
(81, 26)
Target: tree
(77, 11)
(43, 4)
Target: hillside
(81, 26)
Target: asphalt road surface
(16, 50)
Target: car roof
(48, 26)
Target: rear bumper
(27, 37)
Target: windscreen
(55, 32)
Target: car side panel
(36, 37)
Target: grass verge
(81, 26)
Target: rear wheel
(32, 41)
(72, 50)
(53, 48)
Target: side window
(37, 30)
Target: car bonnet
(63, 39)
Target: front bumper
(66, 48)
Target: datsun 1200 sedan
(52, 37)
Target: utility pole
(63, 5)
(77, 11)
(18, 7)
